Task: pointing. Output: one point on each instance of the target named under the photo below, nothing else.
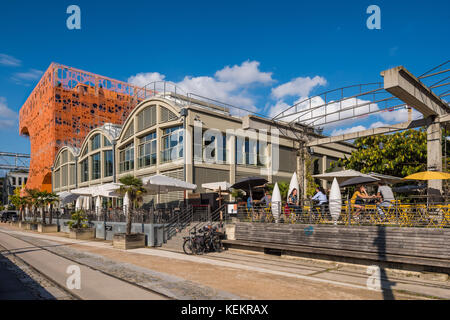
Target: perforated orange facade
(64, 106)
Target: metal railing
(178, 222)
(395, 214)
(217, 217)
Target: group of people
(383, 198)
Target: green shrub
(79, 220)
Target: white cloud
(229, 85)
(247, 73)
(400, 115)
(144, 78)
(378, 124)
(337, 132)
(7, 60)
(279, 107)
(8, 117)
(24, 77)
(300, 87)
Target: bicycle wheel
(189, 247)
(217, 245)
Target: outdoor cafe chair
(406, 215)
(439, 215)
(391, 212)
(268, 217)
(374, 215)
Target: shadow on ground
(15, 284)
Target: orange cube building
(64, 106)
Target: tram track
(39, 247)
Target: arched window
(146, 118)
(167, 115)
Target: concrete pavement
(94, 284)
(239, 273)
(10, 287)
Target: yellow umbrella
(428, 175)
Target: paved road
(242, 274)
(10, 287)
(94, 284)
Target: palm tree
(132, 186)
(19, 201)
(48, 198)
(34, 195)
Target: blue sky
(256, 54)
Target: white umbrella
(223, 185)
(386, 178)
(66, 197)
(341, 175)
(276, 202)
(86, 191)
(126, 203)
(335, 201)
(87, 203)
(78, 203)
(107, 190)
(98, 204)
(162, 184)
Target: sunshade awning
(248, 183)
(358, 180)
(341, 176)
(66, 197)
(428, 175)
(159, 183)
(86, 191)
(223, 185)
(108, 190)
(386, 178)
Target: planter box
(47, 228)
(131, 241)
(82, 233)
(26, 225)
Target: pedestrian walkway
(94, 285)
(247, 275)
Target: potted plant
(133, 189)
(79, 228)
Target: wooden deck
(427, 248)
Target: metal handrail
(213, 216)
(178, 222)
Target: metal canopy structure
(427, 93)
(14, 161)
(362, 100)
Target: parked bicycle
(207, 239)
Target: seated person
(385, 196)
(293, 199)
(358, 199)
(249, 202)
(292, 202)
(267, 199)
(321, 199)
